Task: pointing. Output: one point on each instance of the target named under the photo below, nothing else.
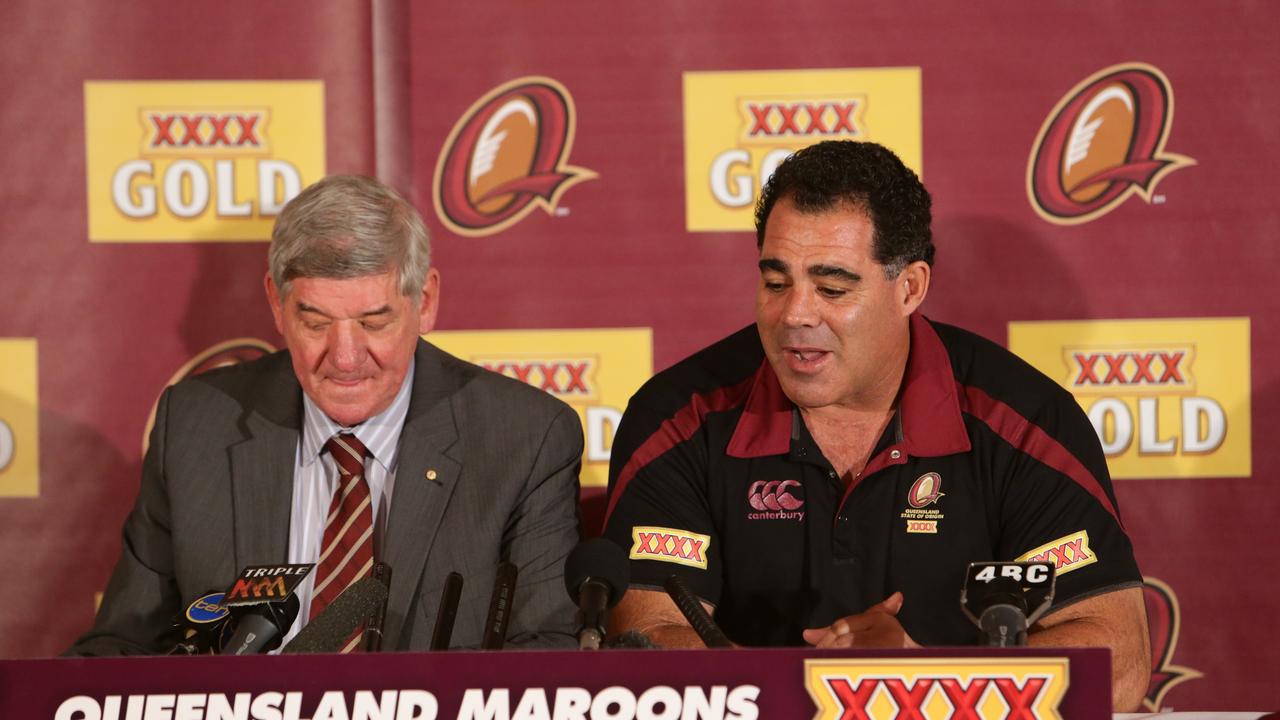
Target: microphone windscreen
(1004, 591)
(333, 628)
(260, 627)
(599, 559)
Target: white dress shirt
(315, 477)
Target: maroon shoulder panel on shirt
(675, 430)
(1032, 439)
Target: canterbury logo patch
(1066, 553)
(668, 545)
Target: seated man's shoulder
(243, 385)
(477, 384)
(984, 365)
(727, 366)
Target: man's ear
(429, 302)
(275, 301)
(913, 285)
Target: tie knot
(348, 452)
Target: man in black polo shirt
(825, 475)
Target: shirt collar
(928, 406)
(380, 433)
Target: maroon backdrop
(113, 322)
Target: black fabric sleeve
(1057, 504)
(659, 509)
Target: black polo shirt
(715, 477)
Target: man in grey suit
(462, 468)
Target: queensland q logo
(507, 156)
(7, 445)
(1103, 143)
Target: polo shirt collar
(928, 406)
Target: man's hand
(877, 627)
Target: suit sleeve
(142, 597)
(658, 504)
(539, 535)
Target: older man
(825, 475)
(361, 442)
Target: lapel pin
(431, 475)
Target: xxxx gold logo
(810, 119)
(1132, 369)
(506, 156)
(198, 161)
(738, 127)
(230, 352)
(1102, 143)
(184, 131)
(937, 688)
(568, 378)
(1145, 374)
(1167, 397)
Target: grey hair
(348, 226)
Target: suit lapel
(262, 468)
(426, 475)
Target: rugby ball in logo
(1102, 143)
(506, 156)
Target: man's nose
(347, 346)
(801, 309)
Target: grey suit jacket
(217, 488)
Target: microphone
(200, 625)
(1005, 598)
(331, 629)
(691, 607)
(495, 624)
(260, 627)
(596, 574)
(443, 631)
(373, 628)
(1004, 615)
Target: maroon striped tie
(346, 553)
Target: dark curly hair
(870, 177)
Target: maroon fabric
(347, 547)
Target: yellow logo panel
(1168, 398)
(739, 125)
(595, 371)
(198, 161)
(937, 688)
(19, 410)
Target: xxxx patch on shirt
(1067, 553)
(669, 545)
